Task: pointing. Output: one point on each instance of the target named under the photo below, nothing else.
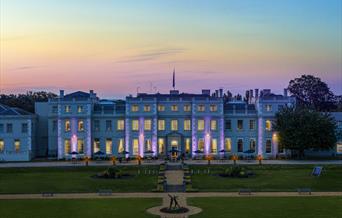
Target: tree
(301, 128)
(311, 92)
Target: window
(240, 124)
(54, 109)
(135, 125)
(213, 108)
(2, 145)
(187, 108)
(80, 146)
(213, 146)
(80, 125)
(268, 126)
(67, 126)
(228, 124)
(201, 144)
(109, 145)
(338, 147)
(251, 124)
(213, 125)
(268, 146)
(147, 108)
(268, 107)
(148, 145)
(135, 146)
(96, 145)
(161, 125)
(121, 147)
(161, 145)
(67, 109)
(187, 125)
(17, 145)
(201, 108)
(9, 127)
(24, 128)
(108, 125)
(121, 124)
(135, 108)
(252, 145)
(240, 145)
(1, 127)
(67, 146)
(187, 145)
(200, 125)
(97, 125)
(79, 109)
(161, 107)
(147, 124)
(174, 125)
(174, 108)
(54, 125)
(228, 144)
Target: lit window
(135, 146)
(147, 124)
(161, 107)
(268, 146)
(67, 126)
(213, 108)
(80, 146)
(252, 145)
(187, 108)
(228, 144)
(67, 108)
(67, 146)
(108, 125)
(121, 125)
(121, 147)
(187, 145)
(161, 125)
(24, 128)
(148, 145)
(79, 109)
(251, 124)
(161, 146)
(240, 145)
(96, 145)
(213, 146)
(135, 125)
(174, 108)
(213, 125)
(174, 125)
(147, 108)
(200, 125)
(339, 147)
(228, 124)
(240, 124)
(96, 125)
(187, 125)
(268, 107)
(2, 145)
(109, 145)
(201, 144)
(201, 108)
(80, 125)
(135, 108)
(268, 125)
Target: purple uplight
(141, 136)
(207, 135)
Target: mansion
(158, 125)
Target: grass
(269, 207)
(270, 178)
(72, 180)
(77, 208)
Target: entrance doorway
(174, 149)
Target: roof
(12, 111)
(78, 94)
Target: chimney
(251, 93)
(285, 92)
(256, 93)
(61, 93)
(247, 95)
(221, 93)
(216, 93)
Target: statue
(173, 202)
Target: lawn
(73, 179)
(270, 178)
(77, 208)
(269, 207)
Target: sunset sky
(116, 46)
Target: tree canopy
(302, 128)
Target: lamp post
(235, 158)
(259, 158)
(139, 160)
(114, 160)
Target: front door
(174, 148)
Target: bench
(302, 191)
(105, 192)
(47, 194)
(245, 191)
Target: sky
(120, 47)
